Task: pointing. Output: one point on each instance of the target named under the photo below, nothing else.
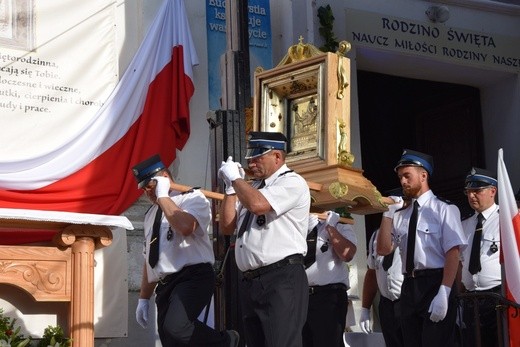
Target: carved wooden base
(60, 272)
(344, 187)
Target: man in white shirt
(429, 235)
(383, 274)
(481, 272)
(336, 243)
(272, 218)
(178, 260)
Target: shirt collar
(277, 173)
(489, 211)
(425, 197)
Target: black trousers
(274, 307)
(390, 318)
(488, 321)
(326, 318)
(418, 330)
(180, 299)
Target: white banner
(55, 80)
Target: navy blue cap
(146, 170)
(261, 142)
(478, 178)
(414, 158)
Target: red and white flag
(147, 113)
(510, 240)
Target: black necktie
(312, 238)
(248, 216)
(388, 260)
(410, 246)
(153, 257)
(474, 259)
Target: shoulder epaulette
(468, 215)
(286, 172)
(403, 208)
(190, 191)
(445, 200)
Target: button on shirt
(438, 230)
(389, 282)
(490, 274)
(282, 231)
(180, 250)
(328, 267)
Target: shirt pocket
(429, 232)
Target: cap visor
(143, 183)
(256, 152)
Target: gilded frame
(292, 103)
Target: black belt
(292, 259)
(497, 289)
(163, 280)
(333, 286)
(423, 273)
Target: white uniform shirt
(389, 282)
(438, 230)
(180, 250)
(280, 232)
(328, 267)
(490, 275)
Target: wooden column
(61, 270)
(83, 240)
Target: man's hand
(393, 207)
(241, 170)
(364, 320)
(228, 185)
(439, 306)
(332, 218)
(162, 189)
(141, 313)
(230, 170)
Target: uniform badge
(325, 247)
(493, 248)
(260, 220)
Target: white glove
(364, 320)
(241, 171)
(332, 218)
(228, 185)
(393, 207)
(313, 221)
(230, 170)
(162, 188)
(439, 305)
(141, 313)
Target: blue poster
(260, 47)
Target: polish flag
(510, 240)
(147, 113)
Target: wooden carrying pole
(219, 196)
(312, 185)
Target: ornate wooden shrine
(307, 97)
